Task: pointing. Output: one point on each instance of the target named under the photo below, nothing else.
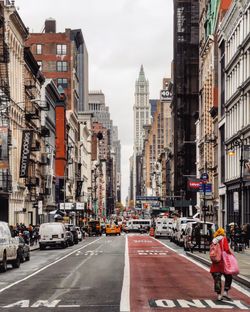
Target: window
(38, 49)
(40, 63)
(61, 66)
(61, 49)
(63, 82)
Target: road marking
(197, 303)
(47, 266)
(142, 241)
(151, 253)
(93, 253)
(69, 306)
(236, 286)
(125, 294)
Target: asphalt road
(134, 273)
(85, 277)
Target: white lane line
(125, 294)
(236, 286)
(47, 266)
(69, 306)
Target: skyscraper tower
(141, 110)
(141, 118)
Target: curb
(35, 248)
(239, 278)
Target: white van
(8, 248)
(52, 234)
(163, 227)
(180, 228)
(138, 225)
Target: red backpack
(215, 252)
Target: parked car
(73, 230)
(70, 238)
(79, 233)
(23, 249)
(52, 234)
(206, 231)
(8, 248)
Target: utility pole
(204, 179)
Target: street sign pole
(204, 207)
(204, 179)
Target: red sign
(194, 185)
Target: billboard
(25, 153)
(4, 152)
(166, 95)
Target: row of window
(61, 49)
(61, 66)
(238, 36)
(238, 75)
(238, 116)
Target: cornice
(17, 21)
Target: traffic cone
(152, 231)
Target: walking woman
(217, 269)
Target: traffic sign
(204, 176)
(206, 188)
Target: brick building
(63, 57)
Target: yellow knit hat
(219, 232)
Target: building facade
(234, 113)
(142, 117)
(211, 13)
(185, 95)
(63, 57)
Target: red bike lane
(161, 279)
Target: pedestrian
(245, 234)
(197, 237)
(217, 269)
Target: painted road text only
(40, 303)
(198, 303)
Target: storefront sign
(194, 185)
(25, 153)
(79, 206)
(67, 206)
(4, 160)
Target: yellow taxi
(113, 229)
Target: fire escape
(5, 135)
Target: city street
(90, 276)
(86, 277)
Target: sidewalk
(34, 246)
(243, 261)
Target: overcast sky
(120, 36)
